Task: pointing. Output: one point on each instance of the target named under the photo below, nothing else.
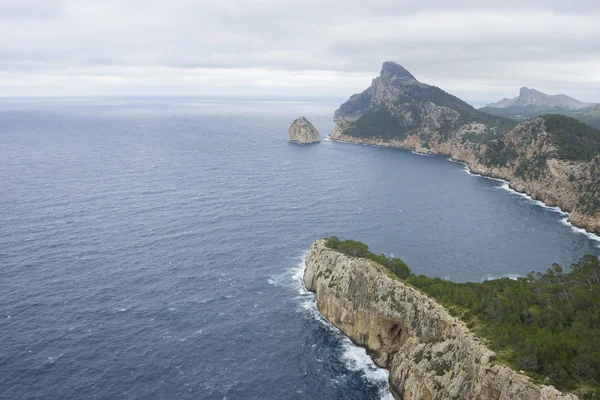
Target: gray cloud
(479, 50)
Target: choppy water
(151, 248)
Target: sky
(476, 49)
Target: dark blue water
(148, 247)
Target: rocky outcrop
(302, 131)
(399, 111)
(429, 353)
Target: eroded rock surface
(429, 353)
(302, 131)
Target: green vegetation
(378, 123)
(575, 140)
(383, 123)
(498, 153)
(532, 169)
(589, 115)
(546, 324)
(467, 113)
(484, 137)
(590, 200)
(358, 249)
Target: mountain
(532, 103)
(553, 158)
(532, 97)
(397, 103)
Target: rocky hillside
(553, 158)
(429, 353)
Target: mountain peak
(529, 97)
(390, 70)
(524, 91)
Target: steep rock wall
(303, 131)
(429, 353)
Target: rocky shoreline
(556, 190)
(428, 353)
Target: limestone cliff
(552, 158)
(302, 131)
(429, 353)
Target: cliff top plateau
(441, 352)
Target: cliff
(552, 158)
(302, 131)
(429, 353)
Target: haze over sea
(151, 248)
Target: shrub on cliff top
(575, 140)
(354, 248)
(547, 324)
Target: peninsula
(552, 158)
(445, 352)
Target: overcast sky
(477, 50)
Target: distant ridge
(532, 103)
(533, 97)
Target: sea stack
(302, 131)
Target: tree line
(547, 324)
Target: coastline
(580, 223)
(355, 356)
(401, 328)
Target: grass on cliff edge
(546, 324)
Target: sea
(153, 247)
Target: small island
(535, 337)
(303, 131)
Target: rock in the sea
(302, 131)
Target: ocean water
(152, 248)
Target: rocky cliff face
(429, 353)
(302, 131)
(399, 111)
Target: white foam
(565, 221)
(506, 187)
(354, 357)
(51, 359)
(357, 359)
(421, 154)
(558, 210)
(514, 277)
